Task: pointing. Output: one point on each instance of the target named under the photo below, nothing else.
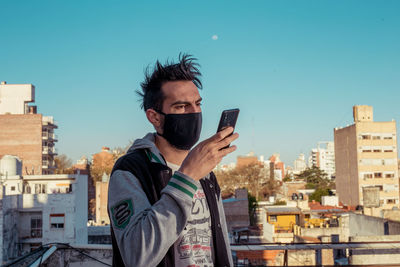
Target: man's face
(181, 97)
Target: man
(164, 202)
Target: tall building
(23, 132)
(366, 158)
(299, 164)
(323, 157)
(277, 167)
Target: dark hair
(186, 70)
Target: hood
(147, 143)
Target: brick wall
(21, 136)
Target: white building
(40, 209)
(14, 98)
(299, 164)
(324, 157)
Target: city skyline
(295, 71)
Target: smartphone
(228, 119)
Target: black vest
(154, 177)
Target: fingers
(226, 141)
(221, 134)
(226, 151)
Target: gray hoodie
(145, 232)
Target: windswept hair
(185, 70)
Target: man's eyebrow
(180, 102)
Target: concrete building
(102, 200)
(41, 209)
(23, 132)
(277, 167)
(243, 161)
(237, 210)
(299, 164)
(323, 157)
(366, 157)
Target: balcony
(49, 136)
(49, 150)
(49, 121)
(46, 164)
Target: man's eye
(180, 107)
(199, 104)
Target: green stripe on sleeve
(183, 180)
(184, 190)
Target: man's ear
(154, 117)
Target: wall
(21, 136)
(268, 231)
(346, 165)
(375, 256)
(236, 211)
(14, 96)
(81, 207)
(101, 203)
(8, 227)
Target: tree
(319, 193)
(252, 209)
(63, 165)
(254, 177)
(316, 179)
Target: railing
(378, 253)
(49, 150)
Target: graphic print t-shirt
(194, 246)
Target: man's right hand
(203, 158)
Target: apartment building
(23, 132)
(366, 157)
(299, 164)
(323, 157)
(40, 209)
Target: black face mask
(182, 130)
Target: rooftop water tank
(10, 166)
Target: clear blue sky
(294, 68)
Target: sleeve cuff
(183, 183)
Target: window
(389, 162)
(389, 175)
(391, 201)
(387, 137)
(380, 187)
(376, 137)
(366, 150)
(272, 218)
(368, 175)
(57, 221)
(377, 175)
(27, 189)
(377, 150)
(36, 227)
(40, 189)
(12, 188)
(366, 137)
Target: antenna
(252, 133)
